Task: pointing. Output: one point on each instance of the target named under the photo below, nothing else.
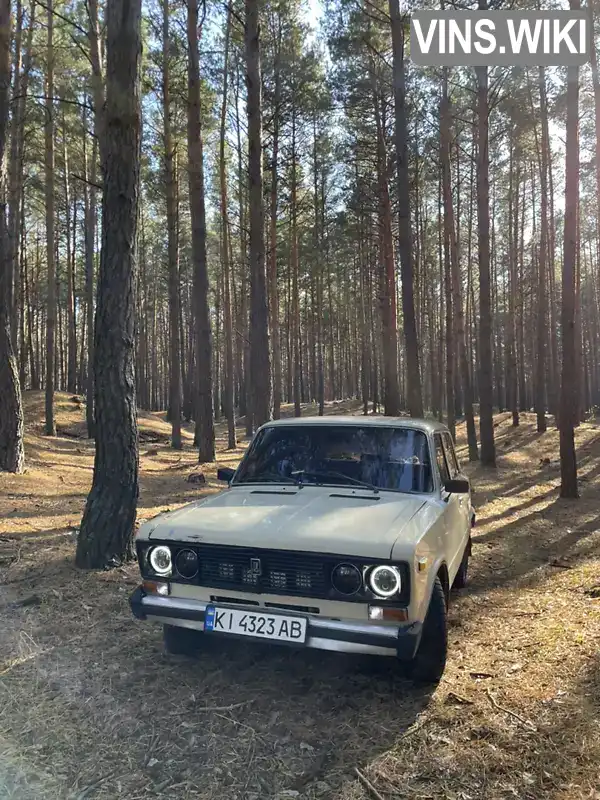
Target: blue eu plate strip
(209, 618)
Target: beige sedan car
(336, 533)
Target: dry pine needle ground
(90, 707)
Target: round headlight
(187, 563)
(346, 579)
(385, 581)
(160, 560)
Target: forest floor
(91, 707)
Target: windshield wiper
(332, 474)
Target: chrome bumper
(346, 636)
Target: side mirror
(225, 474)
(458, 485)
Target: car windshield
(386, 458)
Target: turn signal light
(388, 614)
(156, 587)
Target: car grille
(266, 571)
(275, 572)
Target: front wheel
(181, 641)
(430, 661)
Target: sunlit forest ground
(91, 707)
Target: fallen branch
(94, 784)
(225, 708)
(368, 785)
(416, 726)
(518, 717)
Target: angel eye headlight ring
(385, 581)
(160, 560)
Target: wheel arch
(444, 576)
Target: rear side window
(451, 458)
(440, 458)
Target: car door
(454, 515)
(465, 499)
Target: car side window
(451, 455)
(440, 457)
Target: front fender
(423, 547)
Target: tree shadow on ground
(237, 721)
(525, 545)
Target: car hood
(318, 519)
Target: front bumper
(346, 636)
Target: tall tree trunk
(465, 373)
(50, 425)
(273, 284)
(13, 200)
(413, 378)
(449, 245)
(15, 166)
(205, 432)
(172, 255)
(12, 457)
(227, 315)
(513, 241)
(486, 413)
(260, 373)
(22, 295)
(106, 532)
(387, 277)
(96, 64)
(70, 265)
(542, 316)
(569, 388)
(295, 326)
(319, 234)
(90, 240)
(91, 218)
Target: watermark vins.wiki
(500, 38)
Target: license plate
(256, 624)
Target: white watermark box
(500, 38)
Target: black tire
(461, 579)
(430, 661)
(181, 641)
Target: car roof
(425, 425)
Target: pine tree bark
(273, 283)
(319, 233)
(205, 432)
(542, 321)
(50, 425)
(90, 240)
(70, 229)
(16, 166)
(21, 72)
(449, 244)
(172, 254)
(486, 414)
(106, 532)
(96, 64)
(294, 267)
(413, 378)
(12, 457)
(260, 372)
(387, 277)
(459, 315)
(569, 387)
(513, 240)
(225, 260)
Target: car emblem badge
(255, 566)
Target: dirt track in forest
(90, 707)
